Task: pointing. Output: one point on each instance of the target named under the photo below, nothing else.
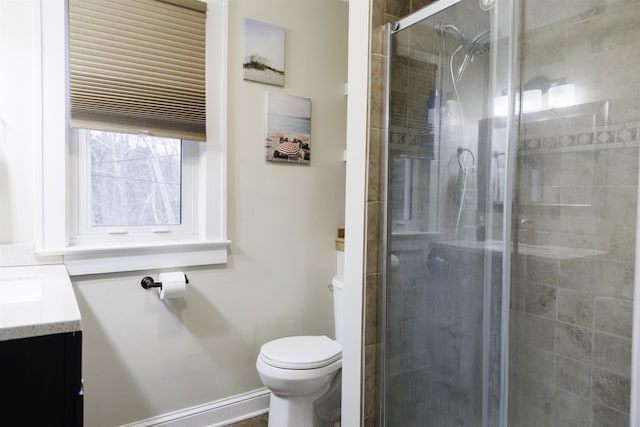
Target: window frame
(55, 182)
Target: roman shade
(138, 66)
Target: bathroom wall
(16, 124)
(143, 357)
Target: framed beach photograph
(288, 129)
(263, 53)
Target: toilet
(304, 375)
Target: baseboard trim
(218, 413)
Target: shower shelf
(498, 206)
(558, 205)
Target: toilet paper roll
(173, 285)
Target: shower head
(473, 47)
(477, 46)
(480, 43)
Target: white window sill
(149, 256)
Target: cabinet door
(73, 411)
(40, 381)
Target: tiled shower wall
(571, 318)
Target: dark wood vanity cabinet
(41, 381)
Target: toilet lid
(305, 352)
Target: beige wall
(143, 357)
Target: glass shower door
(446, 155)
(572, 283)
(511, 212)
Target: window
(125, 183)
(135, 65)
(133, 187)
(131, 180)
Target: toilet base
(297, 411)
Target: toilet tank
(337, 288)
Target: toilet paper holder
(147, 282)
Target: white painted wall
(143, 357)
(16, 126)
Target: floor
(259, 421)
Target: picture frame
(288, 133)
(264, 50)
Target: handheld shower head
(480, 43)
(473, 47)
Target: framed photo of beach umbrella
(263, 53)
(288, 136)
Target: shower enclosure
(510, 214)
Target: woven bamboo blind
(138, 66)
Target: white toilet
(303, 374)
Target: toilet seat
(301, 352)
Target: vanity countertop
(36, 300)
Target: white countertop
(36, 300)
